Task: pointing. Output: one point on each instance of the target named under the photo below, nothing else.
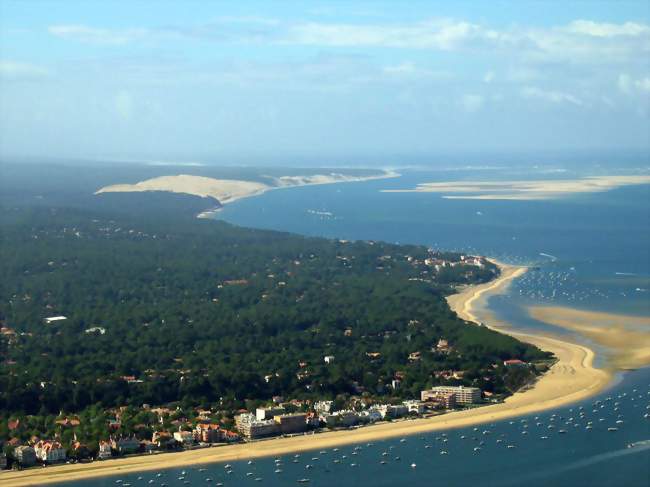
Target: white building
(268, 413)
(49, 451)
(464, 395)
(393, 410)
(104, 450)
(414, 406)
(328, 359)
(54, 319)
(184, 437)
(323, 406)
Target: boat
(303, 481)
(612, 429)
(413, 465)
(511, 446)
(278, 470)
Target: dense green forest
(165, 308)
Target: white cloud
(471, 103)
(596, 29)
(95, 35)
(629, 86)
(440, 34)
(14, 70)
(533, 92)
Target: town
(173, 430)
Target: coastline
(571, 379)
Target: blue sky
(170, 80)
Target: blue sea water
(592, 253)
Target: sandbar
(572, 378)
(524, 190)
(625, 337)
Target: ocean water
(592, 253)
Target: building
(49, 451)
(414, 406)
(253, 428)
(328, 359)
(25, 455)
(125, 445)
(371, 415)
(105, 450)
(515, 363)
(445, 400)
(184, 437)
(392, 410)
(291, 423)
(340, 418)
(464, 395)
(3, 461)
(54, 319)
(323, 406)
(268, 413)
(207, 433)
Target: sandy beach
(570, 379)
(524, 190)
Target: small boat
(413, 465)
(612, 429)
(511, 446)
(383, 462)
(445, 452)
(277, 470)
(227, 466)
(303, 481)
(250, 462)
(249, 474)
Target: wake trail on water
(635, 448)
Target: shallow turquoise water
(596, 257)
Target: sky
(163, 80)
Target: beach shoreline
(572, 378)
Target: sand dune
(229, 190)
(524, 190)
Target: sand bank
(571, 379)
(230, 190)
(524, 190)
(626, 337)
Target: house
(207, 433)
(323, 406)
(371, 415)
(464, 395)
(3, 461)
(49, 451)
(161, 438)
(13, 424)
(414, 406)
(186, 438)
(328, 359)
(54, 319)
(105, 450)
(413, 356)
(393, 410)
(514, 362)
(80, 450)
(126, 445)
(25, 455)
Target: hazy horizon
(252, 81)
